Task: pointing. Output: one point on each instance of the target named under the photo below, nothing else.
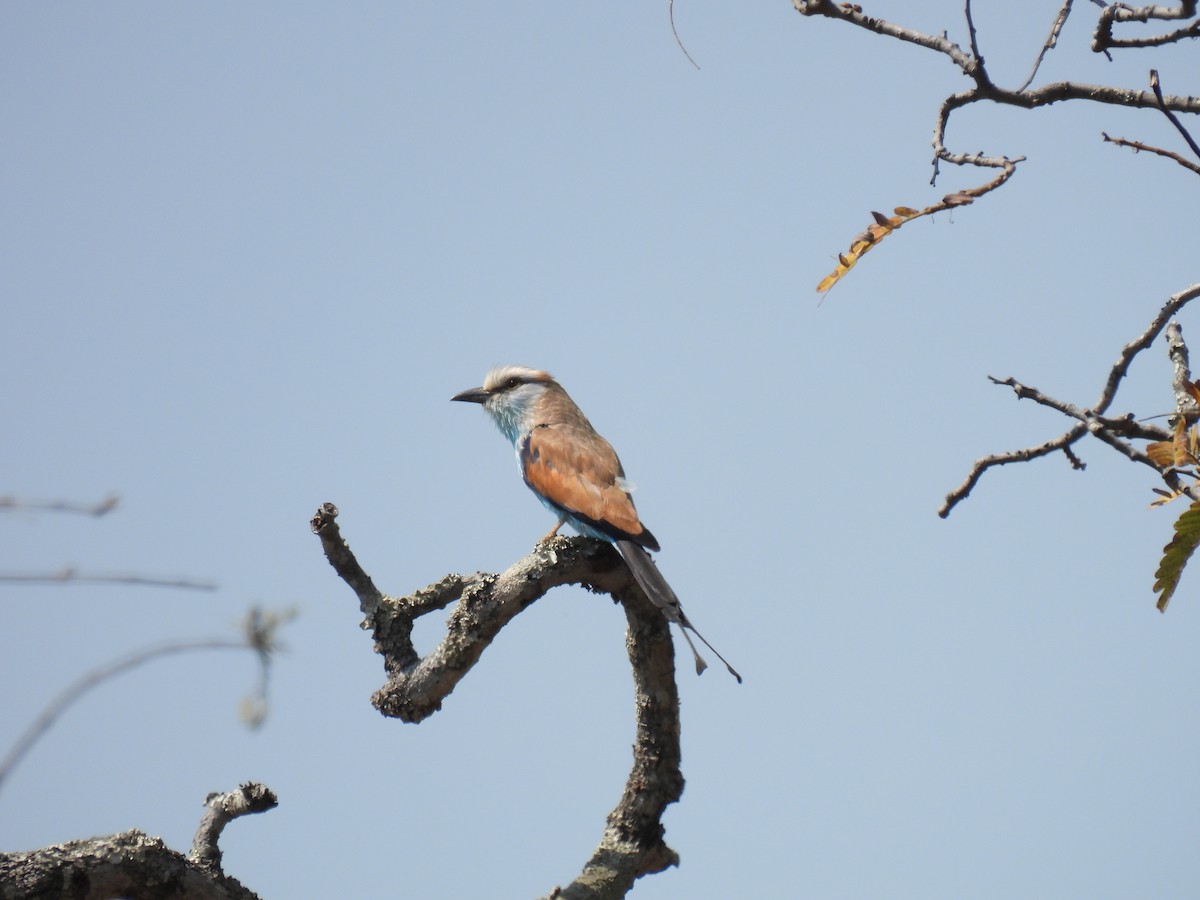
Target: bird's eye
(511, 383)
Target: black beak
(474, 395)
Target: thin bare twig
(853, 14)
(1062, 442)
(1125, 358)
(1138, 146)
(980, 75)
(671, 16)
(1051, 42)
(1112, 430)
(107, 505)
(70, 575)
(1158, 96)
(258, 636)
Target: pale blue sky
(247, 253)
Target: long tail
(646, 573)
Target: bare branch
(1114, 431)
(259, 637)
(971, 65)
(980, 71)
(107, 505)
(678, 42)
(632, 844)
(1062, 442)
(130, 865)
(1185, 403)
(1103, 39)
(853, 14)
(71, 575)
(1125, 358)
(1051, 42)
(1024, 392)
(219, 811)
(1139, 146)
(1171, 117)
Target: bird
(576, 474)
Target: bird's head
(509, 395)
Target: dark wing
(578, 471)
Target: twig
(1108, 429)
(971, 64)
(1139, 146)
(1122, 12)
(632, 844)
(259, 637)
(1050, 44)
(980, 73)
(220, 810)
(853, 14)
(1125, 358)
(70, 575)
(671, 16)
(107, 505)
(1062, 442)
(1158, 96)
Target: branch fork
(632, 843)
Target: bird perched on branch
(576, 474)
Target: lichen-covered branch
(632, 844)
(258, 634)
(219, 811)
(133, 865)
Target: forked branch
(971, 64)
(1116, 431)
(632, 844)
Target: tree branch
(1113, 13)
(107, 505)
(1112, 430)
(971, 64)
(71, 575)
(219, 811)
(258, 635)
(134, 866)
(1171, 117)
(852, 13)
(1051, 42)
(633, 841)
(1138, 146)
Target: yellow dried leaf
(1162, 453)
(1164, 497)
